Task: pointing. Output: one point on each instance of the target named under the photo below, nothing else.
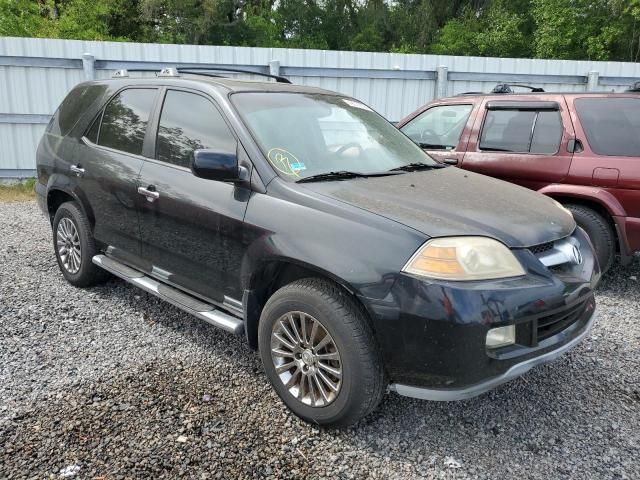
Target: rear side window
(190, 122)
(522, 131)
(79, 100)
(611, 125)
(125, 119)
(439, 127)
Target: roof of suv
(229, 84)
(525, 95)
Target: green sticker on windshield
(285, 162)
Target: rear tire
(351, 350)
(599, 231)
(74, 247)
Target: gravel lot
(112, 383)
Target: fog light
(501, 337)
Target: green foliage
(564, 29)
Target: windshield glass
(310, 134)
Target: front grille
(543, 247)
(549, 325)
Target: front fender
(596, 194)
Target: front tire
(74, 247)
(320, 354)
(599, 231)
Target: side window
(190, 122)
(92, 133)
(125, 118)
(611, 125)
(439, 127)
(521, 131)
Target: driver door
(442, 131)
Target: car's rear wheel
(74, 247)
(599, 231)
(319, 353)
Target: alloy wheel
(306, 359)
(68, 245)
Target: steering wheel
(347, 146)
(428, 136)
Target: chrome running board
(194, 306)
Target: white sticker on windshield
(353, 103)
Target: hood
(451, 201)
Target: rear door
(192, 233)
(442, 130)
(523, 141)
(609, 129)
(108, 163)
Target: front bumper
(432, 334)
(517, 370)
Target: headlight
(464, 258)
(501, 336)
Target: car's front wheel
(74, 247)
(599, 231)
(319, 353)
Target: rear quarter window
(611, 125)
(73, 107)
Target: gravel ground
(112, 383)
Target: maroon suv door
(521, 140)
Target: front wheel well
(270, 278)
(594, 205)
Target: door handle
(77, 169)
(149, 192)
(451, 161)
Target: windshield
(304, 135)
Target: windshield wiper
(341, 175)
(435, 146)
(412, 167)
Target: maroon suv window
(522, 131)
(611, 125)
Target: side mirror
(215, 165)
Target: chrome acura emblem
(576, 255)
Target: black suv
(305, 221)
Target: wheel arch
(274, 274)
(59, 192)
(599, 200)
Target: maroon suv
(582, 149)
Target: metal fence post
(274, 67)
(592, 81)
(441, 81)
(88, 65)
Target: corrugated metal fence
(36, 74)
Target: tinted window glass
(190, 122)
(547, 133)
(507, 130)
(92, 133)
(438, 127)
(522, 131)
(611, 125)
(79, 100)
(125, 119)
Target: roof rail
(204, 71)
(195, 70)
(469, 93)
(506, 88)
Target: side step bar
(202, 310)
